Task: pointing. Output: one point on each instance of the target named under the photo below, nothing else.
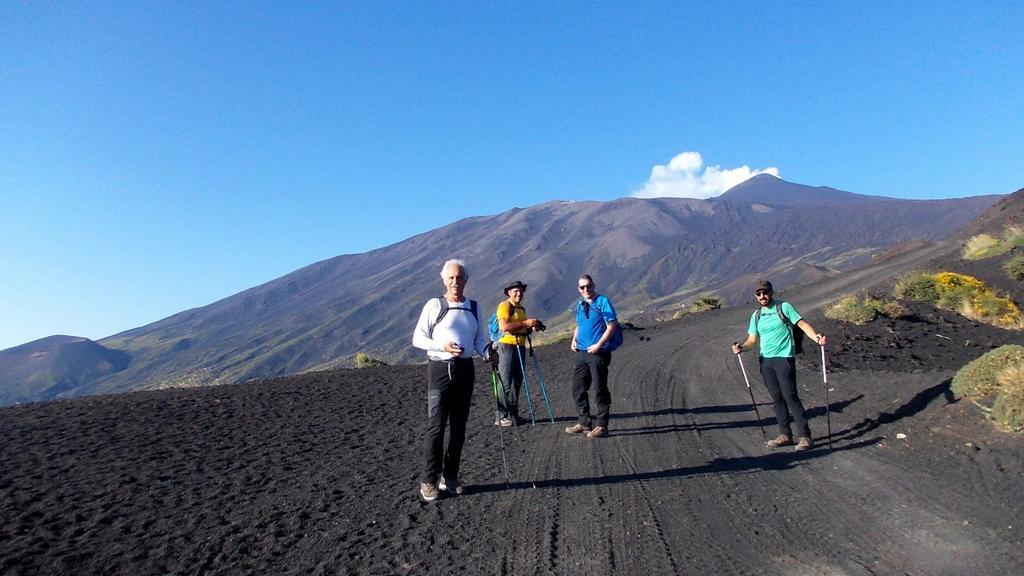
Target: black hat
(516, 284)
(764, 285)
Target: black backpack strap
(440, 315)
(789, 324)
(782, 315)
(444, 311)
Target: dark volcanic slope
(316, 474)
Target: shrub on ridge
(920, 287)
(853, 310)
(1008, 410)
(364, 360)
(980, 377)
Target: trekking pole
(540, 379)
(828, 415)
(526, 385)
(501, 435)
(751, 392)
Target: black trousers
(780, 378)
(449, 393)
(592, 370)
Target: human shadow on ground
(814, 412)
(915, 405)
(724, 409)
(737, 465)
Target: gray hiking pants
(511, 359)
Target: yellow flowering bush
(963, 294)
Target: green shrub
(364, 360)
(1014, 267)
(701, 304)
(983, 246)
(1013, 236)
(853, 310)
(1008, 411)
(920, 287)
(980, 377)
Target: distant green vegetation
(963, 294)
(1014, 267)
(364, 360)
(999, 372)
(701, 304)
(987, 246)
(860, 311)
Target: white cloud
(683, 177)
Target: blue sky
(159, 156)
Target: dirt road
(317, 474)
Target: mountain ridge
(650, 255)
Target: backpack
(795, 333)
(615, 341)
(444, 311)
(494, 327)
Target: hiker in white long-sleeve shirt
(450, 330)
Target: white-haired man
(449, 329)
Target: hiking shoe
(598, 432)
(506, 422)
(577, 429)
(451, 486)
(803, 443)
(428, 491)
(780, 440)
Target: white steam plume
(683, 177)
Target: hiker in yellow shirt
(515, 326)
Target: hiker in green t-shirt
(511, 348)
(778, 362)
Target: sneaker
(451, 487)
(428, 491)
(780, 440)
(803, 443)
(577, 429)
(598, 432)
(506, 422)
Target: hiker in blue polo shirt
(592, 340)
(777, 337)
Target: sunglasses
(762, 293)
(586, 287)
